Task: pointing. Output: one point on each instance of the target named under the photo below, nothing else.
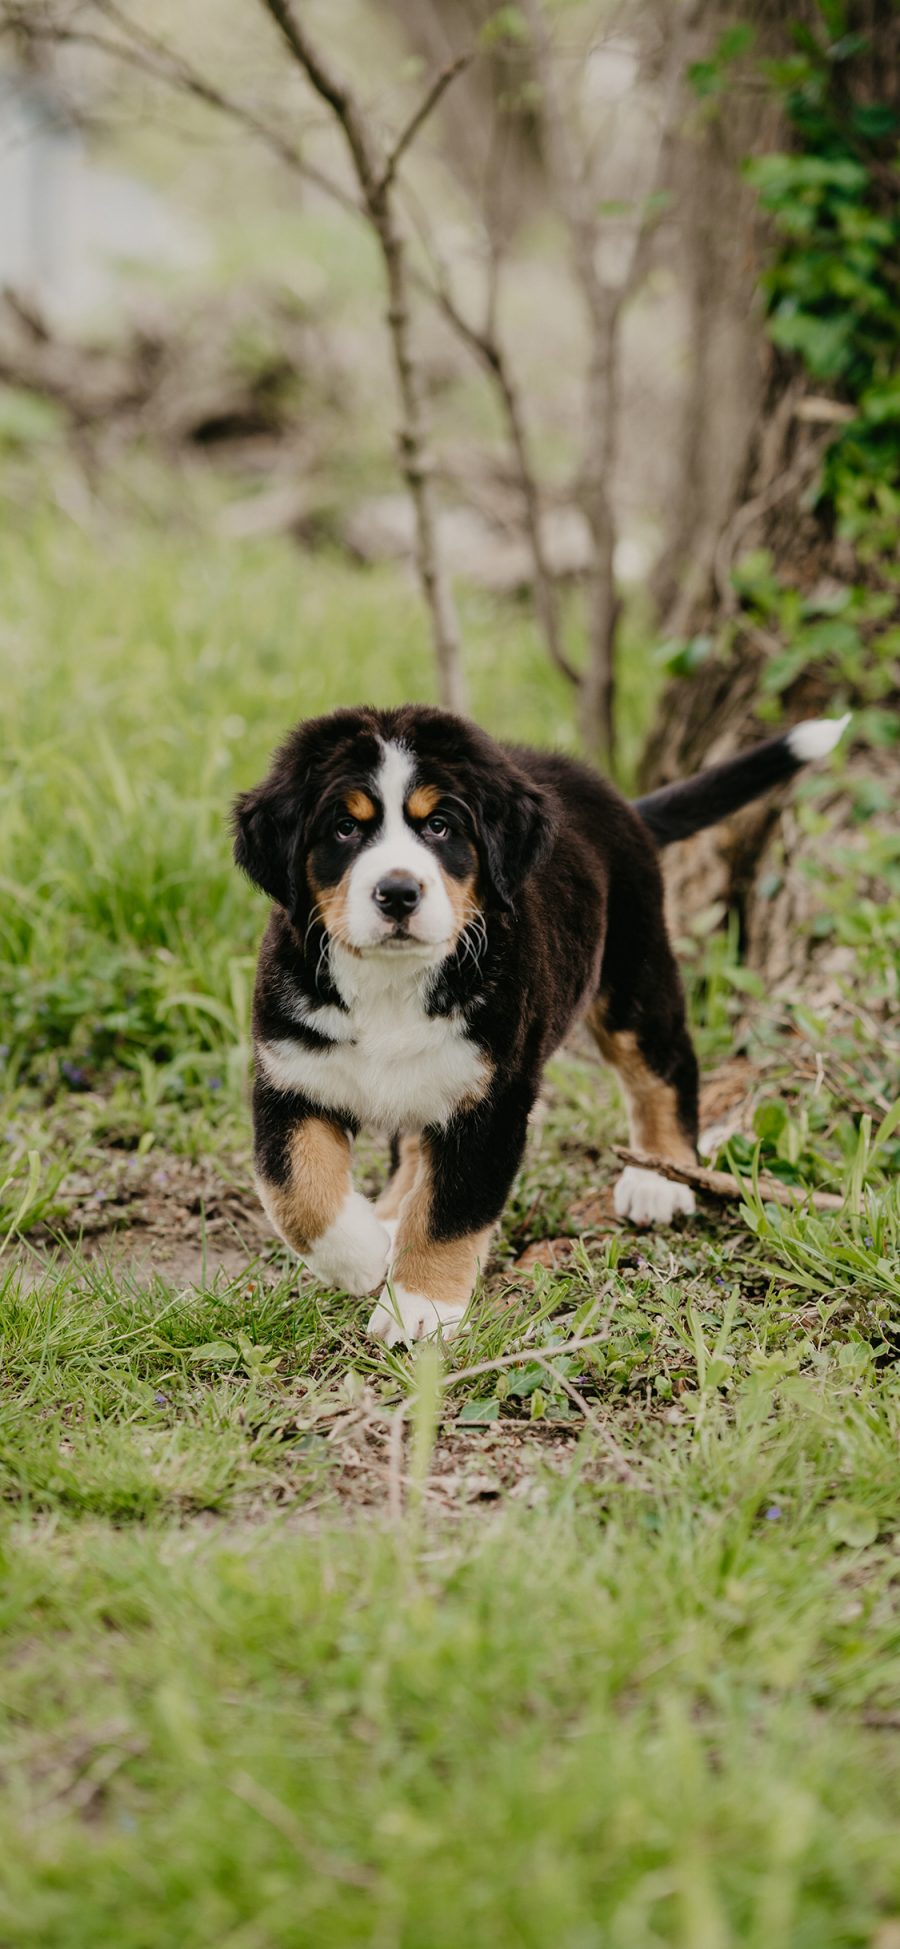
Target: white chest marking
(396, 1067)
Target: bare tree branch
(573, 192)
(490, 352)
(147, 55)
(375, 172)
(429, 101)
(604, 304)
(375, 169)
(667, 136)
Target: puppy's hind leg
(651, 1051)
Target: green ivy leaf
(477, 1414)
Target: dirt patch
(188, 1222)
(361, 1457)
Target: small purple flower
(773, 1514)
(160, 1400)
(75, 1077)
(215, 1082)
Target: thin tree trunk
(597, 700)
(414, 443)
(602, 307)
(375, 168)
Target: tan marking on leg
(305, 1207)
(422, 801)
(652, 1103)
(444, 1270)
(359, 805)
(403, 1179)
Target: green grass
(587, 1635)
(659, 1709)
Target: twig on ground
(518, 1359)
(721, 1184)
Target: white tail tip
(816, 737)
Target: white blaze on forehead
(393, 783)
(397, 849)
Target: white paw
(355, 1252)
(390, 1226)
(650, 1199)
(400, 1315)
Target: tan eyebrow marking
(422, 801)
(359, 805)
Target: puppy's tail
(676, 811)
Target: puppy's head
(394, 828)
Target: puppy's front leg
(445, 1220)
(303, 1178)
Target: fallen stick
(721, 1184)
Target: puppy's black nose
(397, 895)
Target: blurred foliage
(833, 286)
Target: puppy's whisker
(473, 940)
(477, 927)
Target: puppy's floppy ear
(270, 822)
(517, 832)
(267, 824)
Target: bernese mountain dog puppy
(445, 907)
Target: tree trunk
(762, 864)
(765, 865)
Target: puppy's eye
(347, 828)
(436, 826)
